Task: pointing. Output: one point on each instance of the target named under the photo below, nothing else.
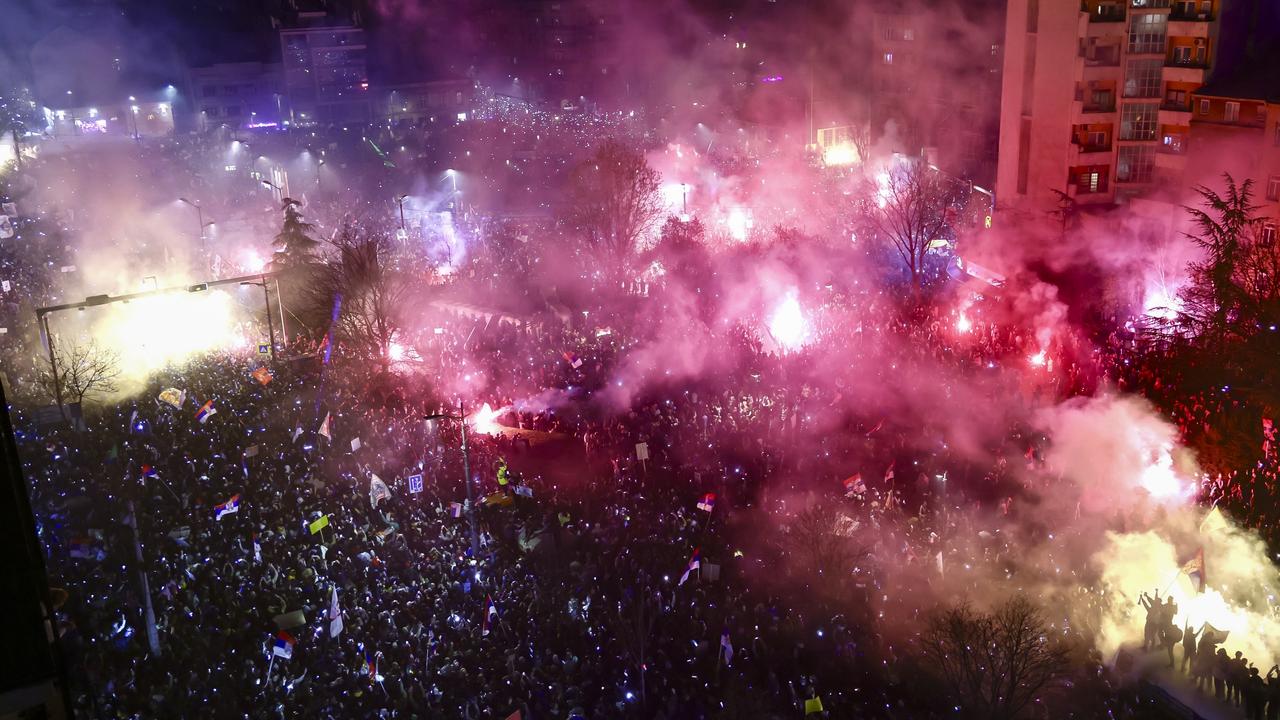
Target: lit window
(888, 58)
(1268, 235)
(1232, 112)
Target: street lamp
(203, 224)
(400, 201)
(466, 470)
(266, 300)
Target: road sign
(264, 349)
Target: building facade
(1096, 99)
(238, 95)
(326, 77)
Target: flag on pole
(355, 444)
(888, 477)
(1194, 568)
(490, 616)
(297, 432)
(695, 563)
(371, 667)
(725, 646)
(148, 471)
(378, 490)
(335, 614)
(455, 509)
(283, 646)
(707, 503)
(230, 506)
(205, 412)
(1213, 635)
(257, 549)
(853, 485)
(324, 428)
(574, 361)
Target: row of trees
(614, 204)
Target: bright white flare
(842, 154)
(739, 223)
(787, 325)
(1038, 359)
(963, 324)
(153, 332)
(485, 420)
(395, 352)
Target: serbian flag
(490, 616)
(1195, 569)
(889, 474)
(148, 471)
(371, 667)
(695, 563)
(1212, 635)
(853, 485)
(283, 646)
(574, 361)
(226, 508)
(205, 411)
(725, 646)
(324, 428)
(707, 503)
(455, 509)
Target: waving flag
(695, 563)
(1212, 635)
(1195, 569)
(335, 614)
(257, 549)
(726, 647)
(853, 485)
(455, 509)
(490, 616)
(149, 471)
(173, 397)
(230, 506)
(574, 361)
(283, 646)
(707, 503)
(262, 375)
(371, 667)
(378, 490)
(324, 428)
(205, 412)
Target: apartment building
(1097, 97)
(1235, 128)
(238, 95)
(935, 80)
(326, 78)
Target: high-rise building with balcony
(326, 77)
(1096, 97)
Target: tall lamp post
(466, 470)
(200, 218)
(266, 299)
(400, 201)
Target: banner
(173, 397)
(318, 525)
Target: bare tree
(369, 291)
(817, 540)
(994, 664)
(614, 200)
(909, 208)
(84, 370)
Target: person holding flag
(230, 506)
(1194, 569)
(335, 614)
(205, 412)
(707, 503)
(490, 616)
(324, 429)
(695, 563)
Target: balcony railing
(1088, 148)
(1111, 59)
(1089, 107)
(1148, 4)
(1107, 14)
(1195, 63)
(1190, 14)
(1176, 106)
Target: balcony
(1083, 150)
(1183, 12)
(1149, 4)
(1092, 108)
(1107, 14)
(1200, 63)
(1177, 73)
(1103, 59)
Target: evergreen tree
(294, 245)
